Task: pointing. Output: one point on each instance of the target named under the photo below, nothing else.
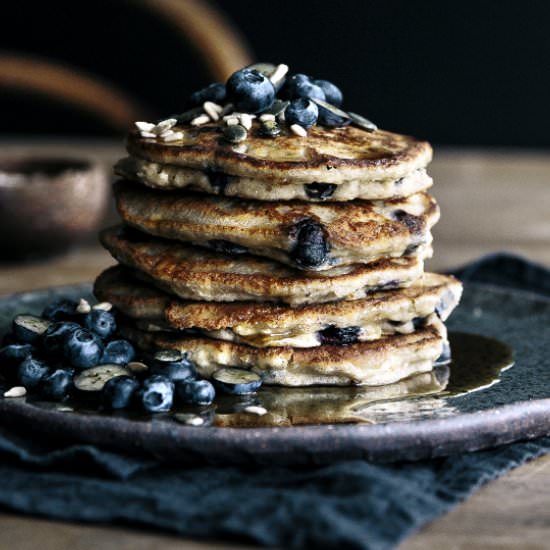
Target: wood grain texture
(490, 201)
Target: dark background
(470, 72)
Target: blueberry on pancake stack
(268, 228)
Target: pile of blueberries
(305, 100)
(70, 353)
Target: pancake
(324, 405)
(170, 177)
(269, 325)
(372, 363)
(198, 274)
(326, 155)
(308, 236)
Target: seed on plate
(147, 135)
(267, 116)
(16, 391)
(144, 126)
(255, 409)
(298, 130)
(105, 306)
(212, 109)
(164, 125)
(174, 136)
(231, 121)
(200, 120)
(83, 306)
(279, 73)
(362, 122)
(234, 134)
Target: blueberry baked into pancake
(269, 236)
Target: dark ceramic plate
(406, 421)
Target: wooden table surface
(490, 201)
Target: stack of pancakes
(300, 258)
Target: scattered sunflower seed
(147, 135)
(279, 73)
(189, 419)
(174, 136)
(231, 121)
(83, 306)
(16, 391)
(212, 109)
(164, 125)
(267, 116)
(298, 130)
(200, 120)
(255, 409)
(144, 126)
(235, 133)
(137, 367)
(246, 121)
(270, 128)
(362, 122)
(105, 306)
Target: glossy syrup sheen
(477, 362)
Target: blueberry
(311, 248)
(303, 112)
(61, 310)
(53, 340)
(301, 86)
(196, 392)
(100, 322)
(173, 365)
(83, 349)
(414, 224)
(118, 352)
(28, 329)
(11, 357)
(320, 191)
(333, 335)
(213, 92)
(250, 91)
(332, 93)
(31, 372)
(156, 394)
(226, 247)
(218, 181)
(118, 392)
(57, 385)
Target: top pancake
(334, 155)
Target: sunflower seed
(331, 108)
(270, 128)
(362, 122)
(144, 126)
(174, 136)
(266, 69)
(164, 125)
(298, 130)
(200, 120)
(231, 121)
(241, 148)
(189, 419)
(279, 73)
(255, 409)
(16, 391)
(267, 116)
(235, 133)
(136, 367)
(246, 121)
(83, 306)
(105, 306)
(148, 135)
(212, 109)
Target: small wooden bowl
(49, 204)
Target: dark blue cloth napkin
(352, 505)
